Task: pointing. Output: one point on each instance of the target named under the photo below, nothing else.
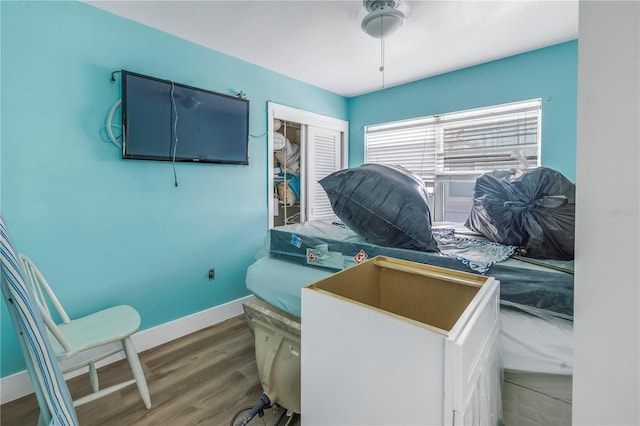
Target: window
(449, 151)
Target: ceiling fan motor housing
(373, 5)
(383, 19)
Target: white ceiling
(321, 43)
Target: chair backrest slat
(43, 289)
(45, 295)
(31, 279)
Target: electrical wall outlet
(212, 274)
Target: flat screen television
(167, 121)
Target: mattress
(535, 316)
(536, 351)
(535, 344)
(326, 245)
(530, 343)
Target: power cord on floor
(257, 409)
(240, 411)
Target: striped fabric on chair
(50, 387)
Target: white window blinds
(497, 138)
(461, 143)
(410, 144)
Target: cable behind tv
(109, 124)
(175, 134)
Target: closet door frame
(305, 118)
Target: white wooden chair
(110, 328)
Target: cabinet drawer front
(471, 351)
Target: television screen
(168, 121)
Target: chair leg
(136, 368)
(93, 377)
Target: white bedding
(535, 344)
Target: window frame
(505, 118)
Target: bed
(536, 311)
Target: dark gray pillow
(386, 205)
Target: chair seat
(94, 337)
(109, 325)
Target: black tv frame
(137, 156)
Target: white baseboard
(18, 385)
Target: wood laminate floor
(204, 378)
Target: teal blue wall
(105, 230)
(549, 74)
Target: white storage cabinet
(391, 342)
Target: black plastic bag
(533, 209)
(386, 205)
